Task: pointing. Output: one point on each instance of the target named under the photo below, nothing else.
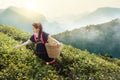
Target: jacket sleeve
(32, 38)
(45, 36)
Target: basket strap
(40, 52)
(41, 38)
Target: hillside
(101, 38)
(73, 64)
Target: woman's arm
(52, 40)
(23, 44)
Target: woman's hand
(23, 44)
(58, 43)
(16, 47)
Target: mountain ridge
(101, 38)
(98, 16)
(23, 19)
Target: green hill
(73, 64)
(100, 38)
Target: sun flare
(30, 5)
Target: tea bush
(21, 64)
(73, 64)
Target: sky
(58, 8)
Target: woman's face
(35, 30)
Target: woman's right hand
(16, 47)
(23, 44)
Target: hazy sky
(56, 8)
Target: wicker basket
(53, 50)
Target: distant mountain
(1, 10)
(10, 17)
(98, 16)
(53, 27)
(101, 38)
(23, 19)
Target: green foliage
(18, 35)
(80, 65)
(22, 63)
(73, 64)
(107, 57)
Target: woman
(40, 38)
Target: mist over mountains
(23, 19)
(1, 10)
(98, 16)
(101, 38)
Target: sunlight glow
(30, 5)
(58, 8)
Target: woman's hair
(38, 26)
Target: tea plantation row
(73, 64)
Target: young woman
(40, 38)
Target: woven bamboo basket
(53, 50)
